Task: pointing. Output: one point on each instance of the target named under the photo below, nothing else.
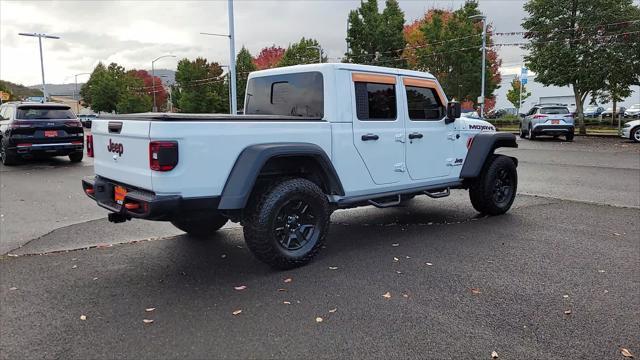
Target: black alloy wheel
(296, 225)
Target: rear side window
(424, 104)
(554, 110)
(300, 94)
(43, 113)
(375, 101)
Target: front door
(378, 130)
(429, 140)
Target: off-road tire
(7, 157)
(200, 227)
(267, 209)
(76, 157)
(482, 191)
(569, 137)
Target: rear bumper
(144, 204)
(65, 148)
(553, 129)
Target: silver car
(548, 119)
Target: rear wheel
(635, 134)
(286, 225)
(569, 137)
(523, 133)
(200, 227)
(8, 157)
(532, 136)
(494, 192)
(76, 157)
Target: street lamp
(40, 36)
(75, 91)
(232, 57)
(482, 18)
(319, 48)
(153, 78)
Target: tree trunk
(579, 115)
(613, 114)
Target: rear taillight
(163, 155)
(569, 116)
(73, 123)
(21, 124)
(539, 116)
(89, 145)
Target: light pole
(40, 36)
(153, 79)
(319, 48)
(75, 91)
(482, 18)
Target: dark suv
(29, 129)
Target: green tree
(244, 65)
(202, 88)
(446, 44)
(376, 38)
(304, 51)
(113, 89)
(513, 95)
(573, 43)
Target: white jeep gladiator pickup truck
(313, 139)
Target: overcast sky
(132, 33)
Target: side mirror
(454, 110)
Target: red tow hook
(89, 191)
(132, 206)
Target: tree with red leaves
(161, 93)
(447, 44)
(269, 57)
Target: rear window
(554, 110)
(43, 113)
(375, 101)
(300, 94)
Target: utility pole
(40, 36)
(75, 91)
(232, 60)
(319, 48)
(153, 80)
(484, 50)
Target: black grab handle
(368, 137)
(415, 136)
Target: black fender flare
(249, 163)
(483, 146)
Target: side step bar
(386, 205)
(436, 195)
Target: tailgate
(121, 150)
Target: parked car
(633, 112)
(28, 129)
(592, 111)
(548, 119)
(495, 113)
(608, 113)
(314, 138)
(631, 130)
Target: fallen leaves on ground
(281, 290)
(429, 264)
(236, 312)
(396, 244)
(565, 296)
(333, 268)
(333, 310)
(223, 256)
(83, 317)
(74, 267)
(288, 280)
(319, 319)
(601, 271)
(475, 291)
(387, 295)
(149, 309)
(395, 259)
(494, 355)
(567, 312)
(626, 353)
(287, 302)
(241, 287)
(147, 321)
(13, 288)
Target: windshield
(554, 110)
(43, 113)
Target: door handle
(367, 137)
(415, 135)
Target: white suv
(314, 138)
(548, 119)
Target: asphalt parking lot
(556, 277)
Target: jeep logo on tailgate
(115, 147)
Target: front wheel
(7, 157)
(286, 225)
(532, 136)
(494, 191)
(202, 226)
(635, 134)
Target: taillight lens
(539, 116)
(89, 145)
(163, 155)
(74, 123)
(21, 124)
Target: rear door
(121, 150)
(378, 131)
